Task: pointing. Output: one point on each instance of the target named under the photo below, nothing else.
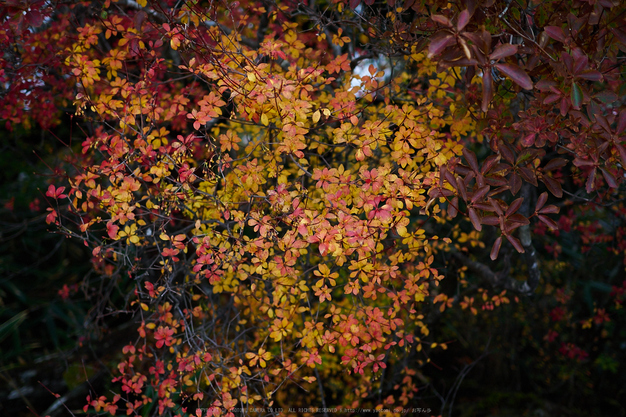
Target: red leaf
(529, 140)
(506, 152)
(516, 74)
(496, 207)
(564, 106)
(555, 33)
(460, 169)
(496, 248)
(622, 154)
(591, 181)
(464, 18)
(453, 207)
(619, 34)
(439, 42)
(553, 186)
(516, 243)
(545, 85)
(55, 192)
(449, 177)
(34, 18)
(603, 122)
(591, 75)
(480, 180)
(502, 51)
(516, 221)
(552, 98)
(442, 20)
(442, 175)
(471, 159)
(541, 201)
(548, 221)
(471, 6)
(112, 230)
(489, 163)
(475, 219)
(580, 60)
(610, 179)
(528, 175)
(491, 220)
(554, 164)
(480, 193)
(500, 189)
(621, 122)
(515, 182)
(483, 206)
(469, 74)
(551, 209)
(579, 162)
(461, 188)
(515, 205)
(139, 18)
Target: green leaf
(606, 97)
(577, 95)
(12, 324)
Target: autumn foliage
(276, 193)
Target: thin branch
(321, 388)
(530, 254)
(459, 380)
(497, 280)
(300, 166)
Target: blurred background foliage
(44, 314)
(559, 352)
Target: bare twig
(497, 280)
(459, 380)
(321, 388)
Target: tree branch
(530, 254)
(496, 279)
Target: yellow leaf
(144, 307)
(251, 77)
(264, 118)
(142, 3)
(316, 116)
